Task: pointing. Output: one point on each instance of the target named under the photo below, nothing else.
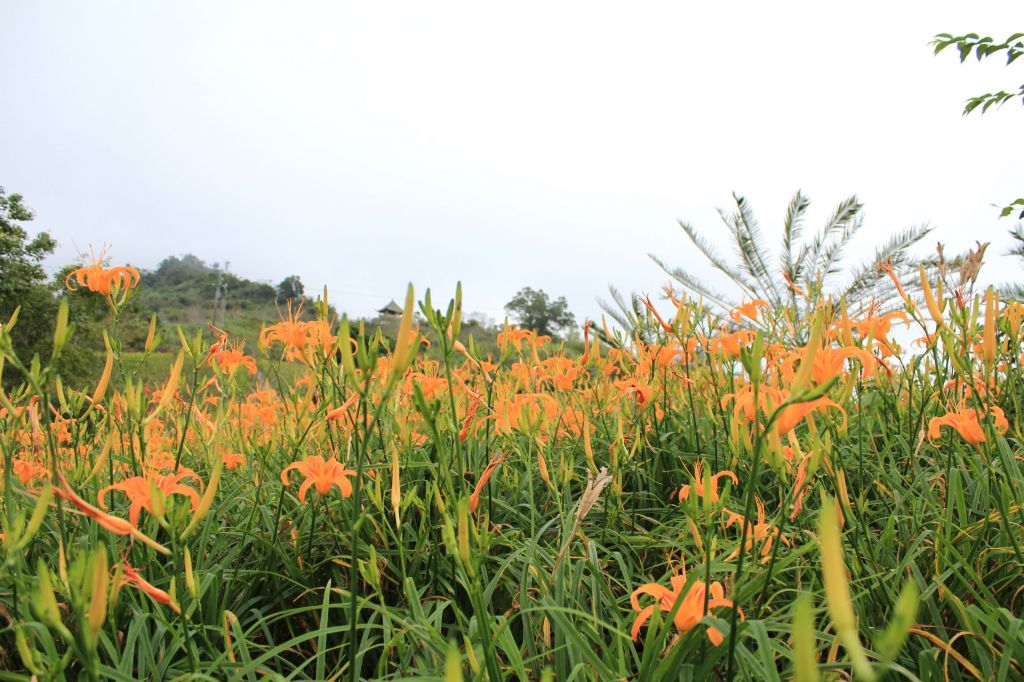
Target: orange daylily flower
(966, 423)
(229, 356)
(430, 386)
(744, 400)
(691, 604)
(27, 470)
(730, 344)
(297, 336)
(769, 399)
(829, 362)
(640, 390)
(879, 326)
(515, 337)
(760, 532)
(973, 386)
(666, 355)
(115, 525)
(233, 460)
(697, 488)
(324, 474)
(95, 277)
(792, 415)
(749, 310)
(140, 489)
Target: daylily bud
(44, 601)
(543, 468)
(206, 501)
(60, 333)
(805, 655)
(988, 344)
(441, 506)
(837, 591)
(396, 488)
(190, 578)
(406, 341)
(170, 389)
(101, 386)
(98, 593)
(453, 664)
(151, 335)
(463, 536)
(61, 398)
(588, 449)
(116, 583)
(934, 307)
(803, 374)
(101, 460)
(474, 664)
(36, 520)
(62, 564)
(348, 362)
(158, 503)
(456, 324)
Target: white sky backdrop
(551, 145)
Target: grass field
(765, 496)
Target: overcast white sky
(553, 145)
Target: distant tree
(23, 281)
(290, 289)
(174, 270)
(479, 319)
(533, 309)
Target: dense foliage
(717, 502)
(23, 282)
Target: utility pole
(224, 294)
(217, 293)
(220, 295)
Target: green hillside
(189, 292)
(183, 291)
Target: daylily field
(822, 490)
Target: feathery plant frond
(809, 265)
(834, 251)
(747, 232)
(716, 260)
(695, 285)
(792, 229)
(837, 227)
(617, 309)
(867, 275)
(631, 315)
